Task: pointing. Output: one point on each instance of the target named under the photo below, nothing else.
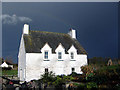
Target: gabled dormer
(60, 51)
(46, 51)
(72, 52)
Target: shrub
(90, 85)
(81, 86)
(88, 71)
(58, 82)
(48, 77)
(73, 74)
(67, 78)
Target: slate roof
(35, 40)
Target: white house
(42, 52)
(6, 65)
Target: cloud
(14, 19)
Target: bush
(91, 85)
(67, 78)
(48, 77)
(81, 86)
(58, 82)
(73, 74)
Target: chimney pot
(26, 29)
(72, 33)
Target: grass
(9, 72)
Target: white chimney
(26, 29)
(72, 33)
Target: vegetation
(95, 75)
(50, 79)
(9, 72)
(101, 74)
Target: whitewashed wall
(21, 60)
(35, 65)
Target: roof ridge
(48, 32)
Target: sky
(96, 24)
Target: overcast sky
(96, 24)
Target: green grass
(9, 72)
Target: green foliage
(75, 84)
(48, 77)
(58, 82)
(68, 78)
(81, 86)
(9, 72)
(104, 77)
(90, 85)
(74, 74)
(88, 71)
(105, 74)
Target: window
(59, 55)
(72, 55)
(46, 70)
(73, 70)
(46, 55)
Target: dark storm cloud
(96, 24)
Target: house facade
(42, 52)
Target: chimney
(72, 33)
(26, 29)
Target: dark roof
(35, 40)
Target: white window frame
(58, 55)
(47, 56)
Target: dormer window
(59, 55)
(46, 55)
(46, 52)
(72, 55)
(60, 51)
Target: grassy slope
(9, 72)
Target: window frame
(46, 55)
(46, 70)
(72, 55)
(59, 54)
